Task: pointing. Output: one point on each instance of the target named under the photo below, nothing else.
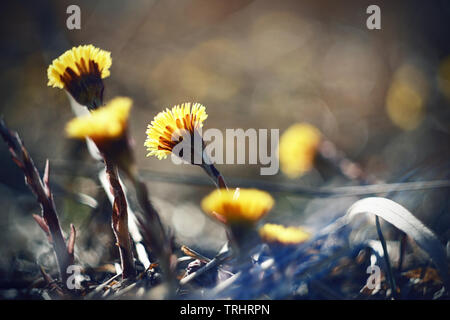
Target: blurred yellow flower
(80, 71)
(107, 123)
(275, 233)
(444, 77)
(298, 148)
(245, 206)
(406, 97)
(168, 127)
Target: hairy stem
(120, 221)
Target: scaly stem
(120, 221)
(49, 221)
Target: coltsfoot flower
(177, 132)
(107, 127)
(275, 233)
(239, 206)
(298, 148)
(107, 123)
(170, 127)
(80, 71)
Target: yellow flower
(406, 97)
(298, 148)
(80, 71)
(275, 233)
(81, 60)
(237, 206)
(444, 77)
(107, 123)
(168, 128)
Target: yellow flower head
(406, 97)
(238, 206)
(80, 71)
(275, 233)
(168, 127)
(298, 148)
(107, 123)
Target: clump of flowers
(278, 234)
(80, 71)
(298, 148)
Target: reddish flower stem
(120, 221)
(215, 175)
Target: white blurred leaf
(404, 220)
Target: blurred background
(382, 96)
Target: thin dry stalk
(49, 221)
(160, 242)
(155, 236)
(150, 225)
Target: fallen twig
(223, 255)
